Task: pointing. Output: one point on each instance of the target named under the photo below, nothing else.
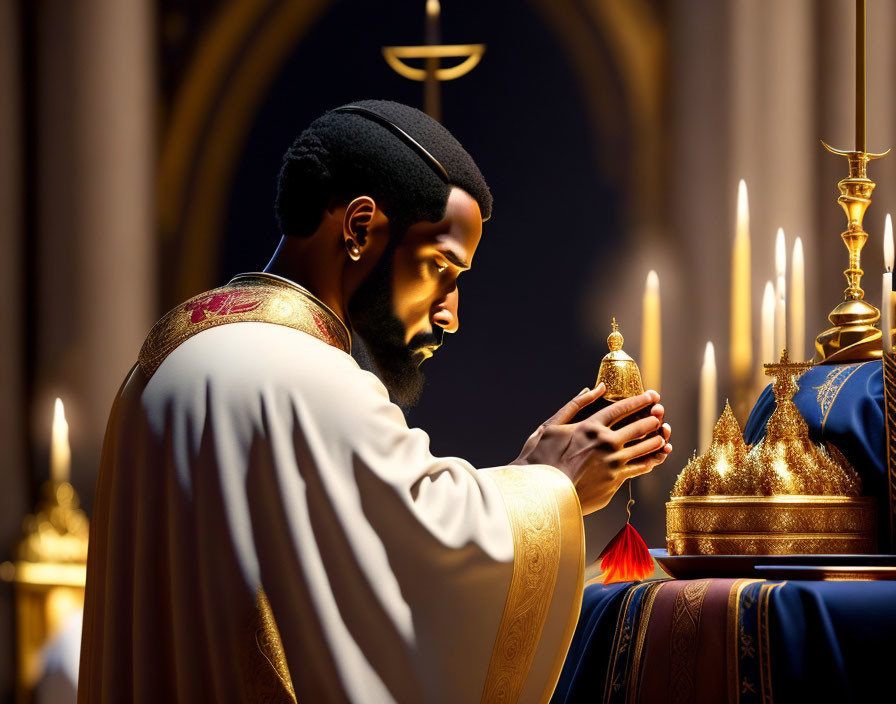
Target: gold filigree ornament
(786, 461)
(711, 472)
(618, 371)
(786, 495)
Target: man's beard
(383, 349)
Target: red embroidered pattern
(217, 304)
(321, 326)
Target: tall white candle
(886, 307)
(60, 452)
(797, 303)
(741, 335)
(780, 294)
(708, 392)
(767, 334)
(651, 334)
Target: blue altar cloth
(834, 641)
(585, 668)
(741, 641)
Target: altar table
(710, 641)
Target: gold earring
(354, 251)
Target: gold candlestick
(854, 336)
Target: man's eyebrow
(454, 259)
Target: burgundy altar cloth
(678, 642)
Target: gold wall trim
(227, 133)
(634, 38)
(194, 100)
(544, 513)
(233, 67)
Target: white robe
(259, 457)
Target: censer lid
(618, 371)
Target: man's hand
(596, 457)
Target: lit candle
(60, 452)
(780, 294)
(741, 335)
(767, 333)
(708, 410)
(886, 307)
(797, 303)
(651, 340)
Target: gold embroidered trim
(572, 546)
(889, 363)
(269, 645)
(830, 388)
(683, 640)
(634, 685)
(543, 510)
(734, 644)
(765, 658)
(622, 639)
(258, 298)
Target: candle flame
(743, 203)
(797, 250)
(888, 243)
(59, 415)
(433, 8)
(653, 282)
(768, 298)
(60, 451)
(780, 253)
(709, 356)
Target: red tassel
(626, 557)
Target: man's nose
(445, 312)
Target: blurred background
(140, 142)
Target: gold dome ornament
(786, 461)
(711, 472)
(618, 371)
(786, 495)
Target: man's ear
(356, 223)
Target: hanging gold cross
(432, 53)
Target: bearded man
(267, 527)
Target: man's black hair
(347, 153)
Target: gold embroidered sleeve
(545, 593)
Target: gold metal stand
(49, 576)
(853, 336)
